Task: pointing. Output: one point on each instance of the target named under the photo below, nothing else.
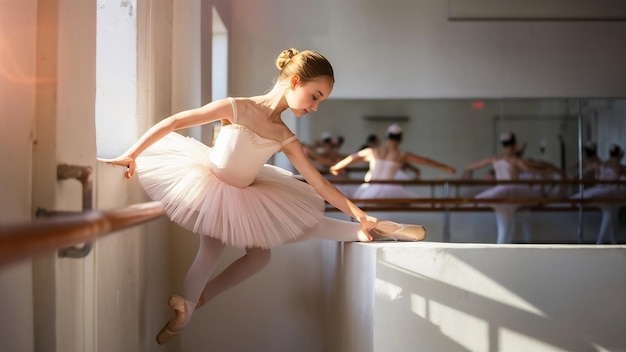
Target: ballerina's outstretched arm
(325, 188)
(216, 110)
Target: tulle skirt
(509, 191)
(381, 190)
(602, 191)
(274, 209)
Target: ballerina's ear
(294, 81)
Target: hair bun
(394, 129)
(615, 149)
(285, 56)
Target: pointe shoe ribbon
(391, 231)
(176, 324)
(201, 301)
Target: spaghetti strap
(232, 102)
(287, 141)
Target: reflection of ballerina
(543, 170)
(590, 163)
(610, 170)
(507, 166)
(384, 164)
(372, 141)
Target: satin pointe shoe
(176, 324)
(391, 231)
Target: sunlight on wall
(219, 69)
(116, 77)
(455, 324)
(470, 280)
(388, 290)
(510, 340)
(452, 315)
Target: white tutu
(508, 191)
(381, 190)
(274, 209)
(602, 191)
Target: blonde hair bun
(285, 56)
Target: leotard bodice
(239, 153)
(505, 170)
(607, 173)
(381, 169)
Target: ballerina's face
(304, 97)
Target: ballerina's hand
(127, 161)
(368, 223)
(333, 171)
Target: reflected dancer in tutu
(507, 166)
(229, 196)
(610, 170)
(384, 164)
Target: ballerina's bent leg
(237, 272)
(209, 253)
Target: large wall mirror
(460, 131)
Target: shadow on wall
(543, 299)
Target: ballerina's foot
(176, 324)
(391, 231)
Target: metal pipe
(84, 175)
(581, 187)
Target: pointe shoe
(391, 231)
(169, 330)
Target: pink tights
(210, 251)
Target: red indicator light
(478, 105)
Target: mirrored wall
(458, 132)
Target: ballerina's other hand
(124, 160)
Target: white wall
(18, 80)
(48, 98)
(451, 297)
(408, 49)
(132, 271)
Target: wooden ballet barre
(24, 240)
(476, 204)
(456, 182)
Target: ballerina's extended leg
(346, 231)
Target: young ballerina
(229, 196)
(507, 166)
(385, 163)
(590, 164)
(610, 170)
